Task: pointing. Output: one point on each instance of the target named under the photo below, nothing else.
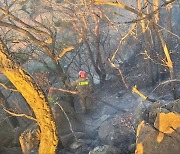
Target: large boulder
(66, 119)
(68, 139)
(8, 139)
(6, 134)
(117, 132)
(160, 134)
(173, 106)
(141, 113)
(148, 112)
(152, 141)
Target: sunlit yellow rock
(161, 138)
(167, 122)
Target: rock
(168, 123)
(75, 145)
(100, 120)
(67, 121)
(105, 130)
(14, 150)
(117, 132)
(141, 113)
(132, 148)
(95, 142)
(108, 111)
(164, 139)
(79, 147)
(92, 124)
(154, 111)
(106, 149)
(6, 134)
(173, 106)
(69, 138)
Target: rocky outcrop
(8, 139)
(161, 134)
(6, 134)
(117, 132)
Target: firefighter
(84, 88)
(52, 98)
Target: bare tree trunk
(169, 62)
(169, 43)
(155, 6)
(99, 62)
(147, 43)
(101, 73)
(169, 24)
(35, 98)
(159, 68)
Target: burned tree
(34, 97)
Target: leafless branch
(120, 72)
(5, 87)
(19, 115)
(32, 29)
(162, 28)
(122, 39)
(71, 128)
(165, 82)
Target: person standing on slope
(84, 88)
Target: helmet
(82, 74)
